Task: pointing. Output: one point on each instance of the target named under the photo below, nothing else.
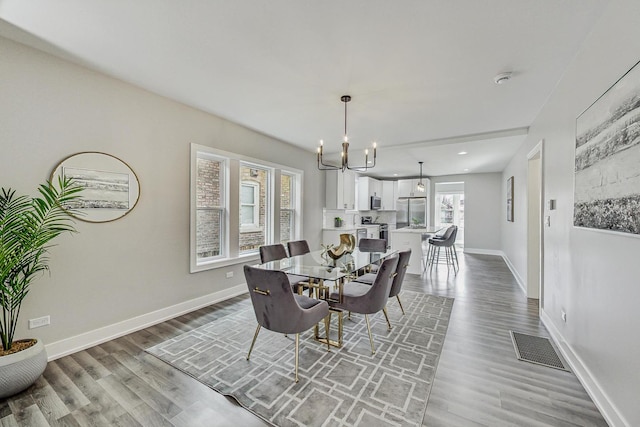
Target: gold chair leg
(340, 324)
(297, 347)
(327, 325)
(386, 316)
(373, 350)
(400, 302)
(253, 342)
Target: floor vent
(536, 350)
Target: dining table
(324, 273)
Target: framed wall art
(607, 155)
(110, 187)
(510, 199)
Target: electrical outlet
(564, 316)
(229, 274)
(39, 322)
(547, 221)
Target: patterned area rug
(345, 387)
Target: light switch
(551, 204)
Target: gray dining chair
(277, 252)
(298, 247)
(270, 253)
(398, 279)
(367, 299)
(372, 245)
(278, 309)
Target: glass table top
(318, 266)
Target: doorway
(449, 207)
(535, 287)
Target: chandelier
(344, 155)
(420, 187)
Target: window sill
(242, 259)
(244, 230)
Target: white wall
(483, 209)
(112, 272)
(592, 275)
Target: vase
(19, 370)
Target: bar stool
(426, 247)
(448, 243)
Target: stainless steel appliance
(411, 211)
(376, 203)
(361, 233)
(383, 228)
(384, 233)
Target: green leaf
(27, 227)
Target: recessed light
(502, 78)
(466, 170)
(462, 153)
(395, 174)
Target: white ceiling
(420, 71)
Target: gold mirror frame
(111, 187)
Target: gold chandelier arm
(324, 166)
(361, 168)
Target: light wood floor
(478, 380)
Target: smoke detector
(502, 78)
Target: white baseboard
(603, 403)
(483, 251)
(83, 341)
(515, 273)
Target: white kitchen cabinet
(340, 190)
(373, 231)
(407, 187)
(389, 190)
(367, 187)
(349, 189)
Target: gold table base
(323, 340)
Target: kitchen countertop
(349, 228)
(429, 229)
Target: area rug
(345, 387)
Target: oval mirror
(110, 187)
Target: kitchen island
(411, 238)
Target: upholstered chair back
(276, 307)
(272, 253)
(298, 247)
(372, 245)
(376, 298)
(401, 269)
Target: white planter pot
(19, 370)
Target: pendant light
(420, 187)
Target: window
(287, 207)
(249, 206)
(227, 227)
(255, 206)
(210, 207)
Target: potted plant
(337, 222)
(27, 227)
